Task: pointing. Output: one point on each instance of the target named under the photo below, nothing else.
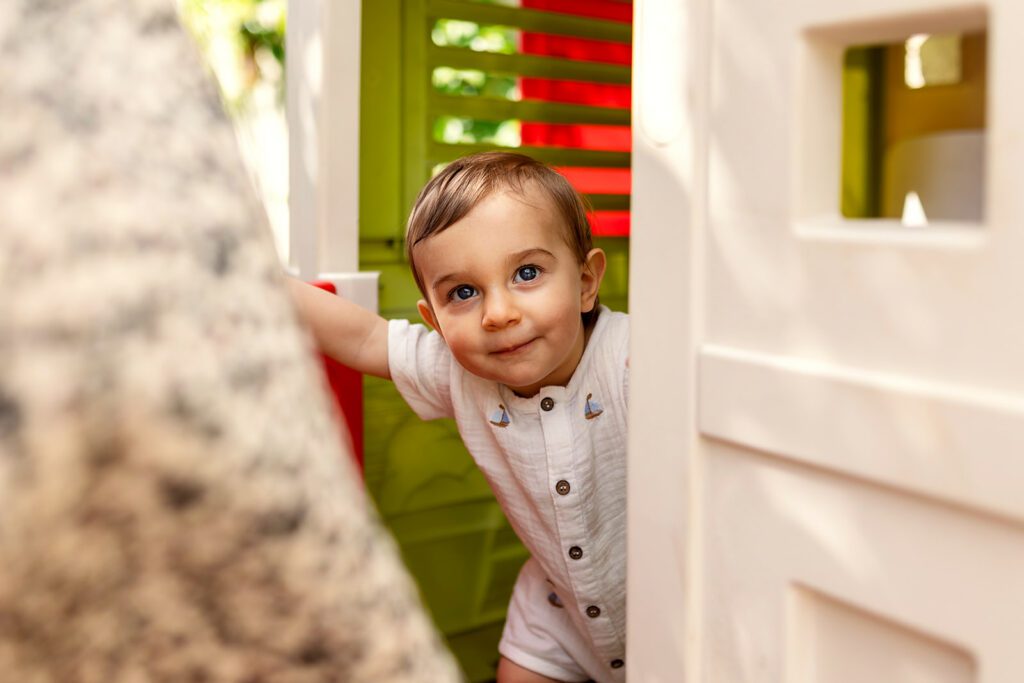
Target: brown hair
(466, 182)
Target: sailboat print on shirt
(500, 417)
(593, 408)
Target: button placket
(562, 450)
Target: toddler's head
(466, 182)
(501, 249)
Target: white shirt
(556, 462)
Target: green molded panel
(398, 292)
(477, 651)
(452, 534)
(428, 468)
(380, 251)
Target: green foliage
(260, 37)
(457, 129)
(476, 37)
(475, 83)
(243, 41)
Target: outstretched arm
(346, 332)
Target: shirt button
(617, 663)
(562, 487)
(547, 403)
(575, 552)
(593, 611)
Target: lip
(513, 350)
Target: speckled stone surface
(174, 502)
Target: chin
(515, 379)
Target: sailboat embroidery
(500, 417)
(593, 408)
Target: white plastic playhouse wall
(323, 147)
(827, 427)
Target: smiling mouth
(509, 350)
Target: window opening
(914, 129)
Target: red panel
(577, 92)
(599, 9)
(584, 49)
(609, 223)
(577, 136)
(598, 180)
(347, 389)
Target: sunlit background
(243, 42)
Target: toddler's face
(506, 292)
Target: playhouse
(814, 207)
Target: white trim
(360, 288)
(665, 302)
(323, 68)
(960, 444)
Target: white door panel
(928, 439)
(796, 552)
(827, 417)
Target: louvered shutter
(573, 67)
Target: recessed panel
(832, 642)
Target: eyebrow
(444, 278)
(519, 256)
(513, 258)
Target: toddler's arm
(346, 332)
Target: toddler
(535, 373)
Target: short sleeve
(420, 365)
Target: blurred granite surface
(174, 502)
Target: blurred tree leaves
(475, 83)
(243, 40)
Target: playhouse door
(827, 418)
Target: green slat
(491, 109)
(439, 153)
(609, 202)
(527, 65)
(530, 20)
(380, 129)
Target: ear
(427, 314)
(592, 272)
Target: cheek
(458, 341)
(562, 310)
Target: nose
(500, 311)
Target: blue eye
(462, 293)
(526, 273)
